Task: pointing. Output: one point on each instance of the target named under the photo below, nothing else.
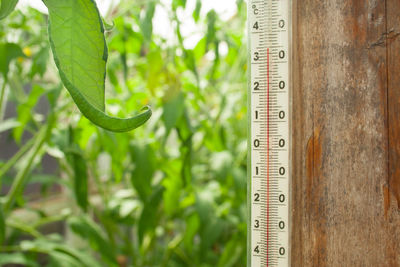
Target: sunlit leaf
(80, 52)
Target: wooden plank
(340, 136)
(392, 188)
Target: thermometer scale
(269, 27)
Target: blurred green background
(170, 193)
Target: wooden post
(346, 133)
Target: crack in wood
(385, 37)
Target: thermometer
(269, 30)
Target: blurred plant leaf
(173, 186)
(8, 124)
(80, 176)
(8, 52)
(16, 258)
(77, 24)
(232, 251)
(90, 231)
(192, 227)
(25, 111)
(178, 3)
(154, 65)
(53, 94)
(143, 156)
(148, 218)
(146, 23)
(69, 256)
(196, 12)
(173, 109)
(107, 26)
(211, 31)
(59, 259)
(6, 7)
(39, 63)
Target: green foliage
(170, 193)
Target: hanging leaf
(79, 48)
(6, 7)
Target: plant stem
(22, 175)
(10, 163)
(2, 93)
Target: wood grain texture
(346, 133)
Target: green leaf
(232, 253)
(196, 12)
(155, 63)
(7, 6)
(80, 52)
(150, 214)
(8, 52)
(143, 157)
(59, 259)
(39, 63)
(173, 186)
(211, 31)
(146, 23)
(80, 177)
(90, 231)
(59, 251)
(192, 227)
(173, 110)
(25, 111)
(178, 3)
(8, 124)
(16, 258)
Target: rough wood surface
(346, 133)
